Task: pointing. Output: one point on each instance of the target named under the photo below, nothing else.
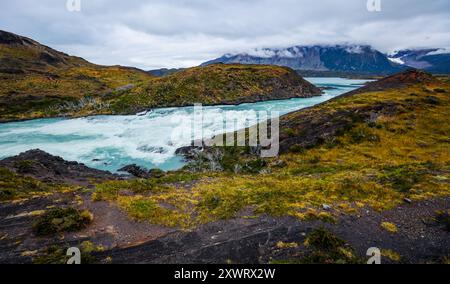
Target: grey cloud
(181, 33)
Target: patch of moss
(283, 245)
(111, 190)
(362, 134)
(57, 254)
(297, 149)
(52, 255)
(290, 132)
(255, 166)
(390, 227)
(24, 166)
(61, 220)
(404, 177)
(327, 248)
(149, 209)
(14, 186)
(390, 254)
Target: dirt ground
(418, 240)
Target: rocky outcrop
(399, 80)
(256, 240)
(45, 167)
(140, 172)
(135, 170)
(10, 38)
(321, 125)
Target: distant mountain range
(431, 60)
(164, 71)
(342, 59)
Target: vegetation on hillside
(15, 186)
(37, 81)
(61, 220)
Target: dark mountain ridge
(357, 59)
(432, 60)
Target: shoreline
(2, 121)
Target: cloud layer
(179, 33)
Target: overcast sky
(180, 33)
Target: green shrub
(290, 132)
(297, 149)
(360, 135)
(255, 166)
(13, 186)
(403, 178)
(61, 220)
(57, 254)
(156, 173)
(328, 249)
(24, 166)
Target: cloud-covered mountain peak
(341, 57)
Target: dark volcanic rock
(10, 38)
(327, 88)
(432, 100)
(157, 173)
(45, 167)
(189, 152)
(254, 241)
(312, 128)
(136, 171)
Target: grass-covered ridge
(217, 84)
(37, 81)
(367, 150)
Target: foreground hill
(370, 169)
(37, 81)
(338, 59)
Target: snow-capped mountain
(361, 59)
(433, 60)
